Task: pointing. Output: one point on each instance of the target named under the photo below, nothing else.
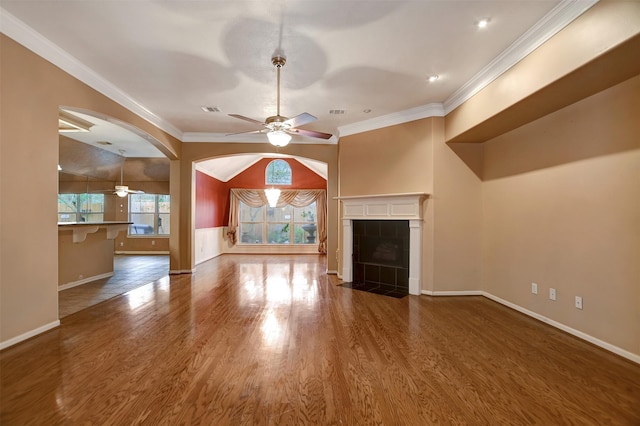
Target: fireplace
(382, 255)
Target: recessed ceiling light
(366, 111)
(433, 78)
(483, 23)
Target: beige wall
(89, 258)
(390, 160)
(562, 209)
(457, 219)
(193, 152)
(32, 91)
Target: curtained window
(253, 222)
(277, 225)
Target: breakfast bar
(85, 251)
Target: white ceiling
(166, 59)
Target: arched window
(278, 172)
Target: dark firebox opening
(381, 256)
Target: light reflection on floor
(142, 295)
(285, 284)
(282, 285)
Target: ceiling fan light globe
(122, 191)
(279, 138)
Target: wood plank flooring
(271, 340)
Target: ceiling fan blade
(134, 191)
(245, 133)
(312, 133)
(242, 117)
(300, 120)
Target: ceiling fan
(123, 190)
(281, 128)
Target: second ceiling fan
(281, 128)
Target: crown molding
(250, 138)
(14, 28)
(554, 21)
(423, 111)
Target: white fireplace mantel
(407, 206)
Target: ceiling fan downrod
(278, 62)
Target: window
(278, 172)
(80, 207)
(149, 213)
(278, 225)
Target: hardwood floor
(271, 340)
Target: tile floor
(130, 271)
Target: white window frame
(156, 218)
(264, 221)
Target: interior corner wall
(457, 216)
(561, 209)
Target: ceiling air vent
(210, 109)
(337, 111)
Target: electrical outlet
(578, 302)
(153, 242)
(121, 244)
(552, 293)
(534, 288)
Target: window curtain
(296, 198)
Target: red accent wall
(212, 195)
(301, 177)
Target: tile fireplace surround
(384, 207)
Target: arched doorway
(109, 172)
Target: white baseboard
(584, 336)
(29, 334)
(140, 252)
(207, 258)
(84, 281)
(332, 272)
(453, 293)
(182, 271)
